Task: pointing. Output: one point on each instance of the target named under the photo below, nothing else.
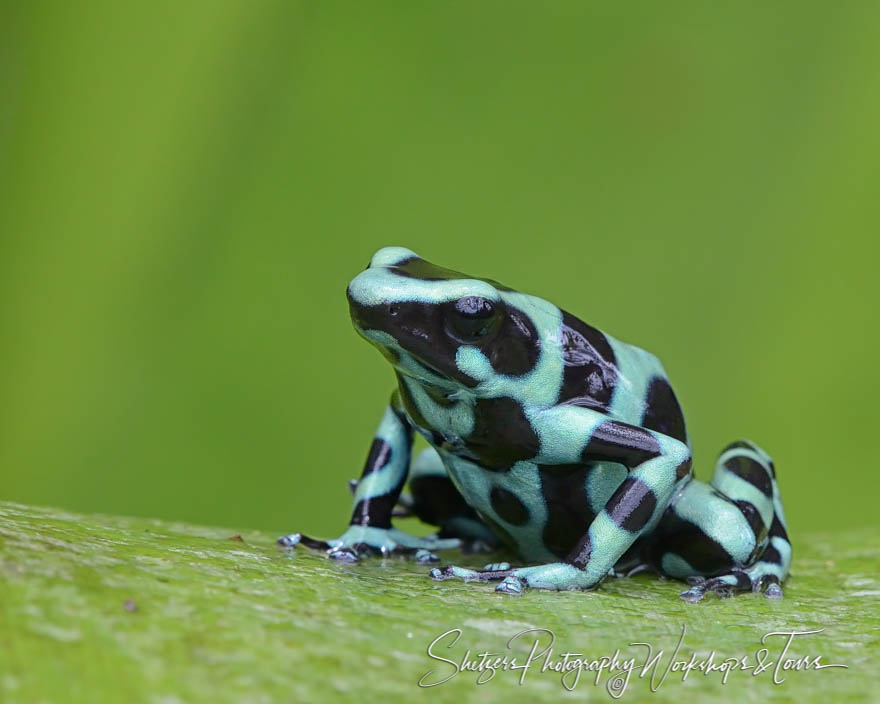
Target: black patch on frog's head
(415, 267)
(404, 303)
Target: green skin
(550, 437)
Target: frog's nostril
(393, 309)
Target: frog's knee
(743, 463)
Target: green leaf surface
(106, 609)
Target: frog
(547, 438)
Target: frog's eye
(471, 317)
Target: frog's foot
(362, 541)
(753, 579)
(557, 576)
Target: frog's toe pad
(348, 555)
(727, 585)
(771, 588)
(723, 586)
(424, 556)
(291, 540)
(692, 595)
(496, 566)
(510, 585)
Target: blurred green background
(188, 187)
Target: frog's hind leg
(434, 499)
(729, 535)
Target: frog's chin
(429, 377)
(409, 365)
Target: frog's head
(425, 319)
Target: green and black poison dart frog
(549, 437)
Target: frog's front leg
(656, 464)
(370, 530)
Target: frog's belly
(540, 512)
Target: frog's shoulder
(647, 397)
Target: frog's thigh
(733, 527)
(436, 501)
(702, 533)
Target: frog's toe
(365, 541)
(773, 592)
(557, 576)
(770, 586)
(356, 551)
(469, 575)
(723, 586)
(497, 566)
(440, 574)
(510, 585)
(424, 556)
(693, 595)
(753, 579)
(348, 555)
(363, 549)
(291, 540)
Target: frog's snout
(354, 307)
(357, 290)
(372, 317)
(365, 307)
(370, 289)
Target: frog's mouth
(407, 364)
(444, 385)
(411, 336)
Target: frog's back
(617, 378)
